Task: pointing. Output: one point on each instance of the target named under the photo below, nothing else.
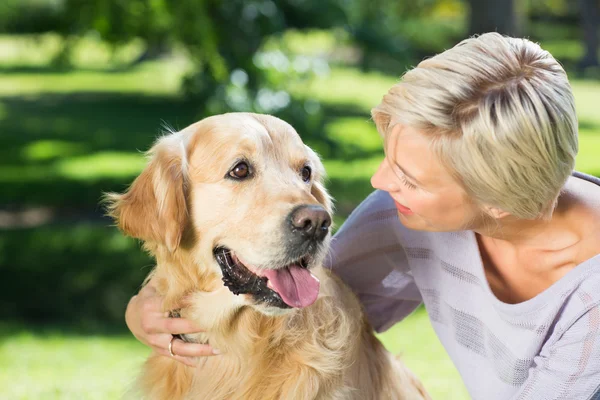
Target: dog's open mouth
(289, 286)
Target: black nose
(310, 222)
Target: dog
(234, 210)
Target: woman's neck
(553, 234)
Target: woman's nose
(383, 178)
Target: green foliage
(80, 273)
(30, 16)
(240, 75)
(553, 8)
(233, 68)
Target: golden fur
(181, 206)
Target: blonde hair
(501, 116)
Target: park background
(87, 85)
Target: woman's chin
(414, 222)
(410, 221)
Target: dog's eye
(306, 174)
(240, 171)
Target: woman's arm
(570, 367)
(153, 327)
(367, 255)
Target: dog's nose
(310, 221)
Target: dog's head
(241, 195)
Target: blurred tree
(117, 21)
(373, 26)
(590, 21)
(41, 15)
(233, 71)
(222, 38)
(504, 16)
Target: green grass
(55, 364)
(87, 52)
(153, 78)
(67, 136)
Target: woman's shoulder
(583, 295)
(583, 193)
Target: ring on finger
(171, 346)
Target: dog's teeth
(270, 285)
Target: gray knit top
(544, 348)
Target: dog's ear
(154, 207)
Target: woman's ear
(154, 207)
(496, 212)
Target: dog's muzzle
(292, 284)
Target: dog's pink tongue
(296, 285)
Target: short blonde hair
(501, 116)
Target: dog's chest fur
(265, 357)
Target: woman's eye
(407, 183)
(306, 174)
(240, 171)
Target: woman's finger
(151, 302)
(159, 341)
(189, 361)
(173, 326)
(181, 348)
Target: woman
(480, 217)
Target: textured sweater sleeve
(368, 256)
(569, 368)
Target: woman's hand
(153, 327)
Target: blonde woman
(478, 215)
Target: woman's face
(427, 196)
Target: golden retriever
(234, 210)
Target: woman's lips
(402, 209)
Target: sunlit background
(87, 85)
